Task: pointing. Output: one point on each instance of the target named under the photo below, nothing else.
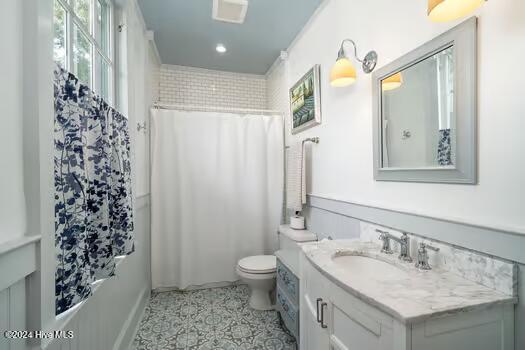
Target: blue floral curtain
(93, 201)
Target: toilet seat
(258, 264)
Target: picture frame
(305, 101)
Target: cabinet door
(486, 329)
(355, 325)
(315, 336)
(313, 288)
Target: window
(83, 43)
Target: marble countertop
(412, 297)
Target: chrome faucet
(404, 243)
(385, 237)
(422, 256)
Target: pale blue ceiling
(186, 34)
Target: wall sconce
(448, 10)
(343, 72)
(392, 82)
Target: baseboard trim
(131, 326)
(161, 289)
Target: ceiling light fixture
(343, 72)
(220, 48)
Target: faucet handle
(428, 246)
(382, 234)
(422, 256)
(385, 237)
(404, 251)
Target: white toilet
(258, 272)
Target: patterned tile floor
(217, 318)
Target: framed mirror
(425, 116)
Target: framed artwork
(305, 101)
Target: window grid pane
(102, 26)
(82, 42)
(59, 34)
(102, 77)
(82, 64)
(83, 12)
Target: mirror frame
(464, 39)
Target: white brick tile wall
(277, 92)
(211, 88)
(277, 89)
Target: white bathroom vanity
(354, 297)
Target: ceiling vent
(231, 11)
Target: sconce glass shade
(343, 73)
(392, 82)
(448, 10)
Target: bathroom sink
(359, 265)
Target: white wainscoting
(18, 259)
(13, 314)
(109, 318)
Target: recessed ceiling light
(220, 48)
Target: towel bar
(310, 139)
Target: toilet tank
(289, 246)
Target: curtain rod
(158, 105)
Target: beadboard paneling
(18, 259)
(13, 314)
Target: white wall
(152, 94)
(143, 82)
(26, 112)
(12, 202)
(211, 88)
(342, 162)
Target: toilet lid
(258, 264)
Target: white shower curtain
(216, 189)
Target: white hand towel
(295, 177)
